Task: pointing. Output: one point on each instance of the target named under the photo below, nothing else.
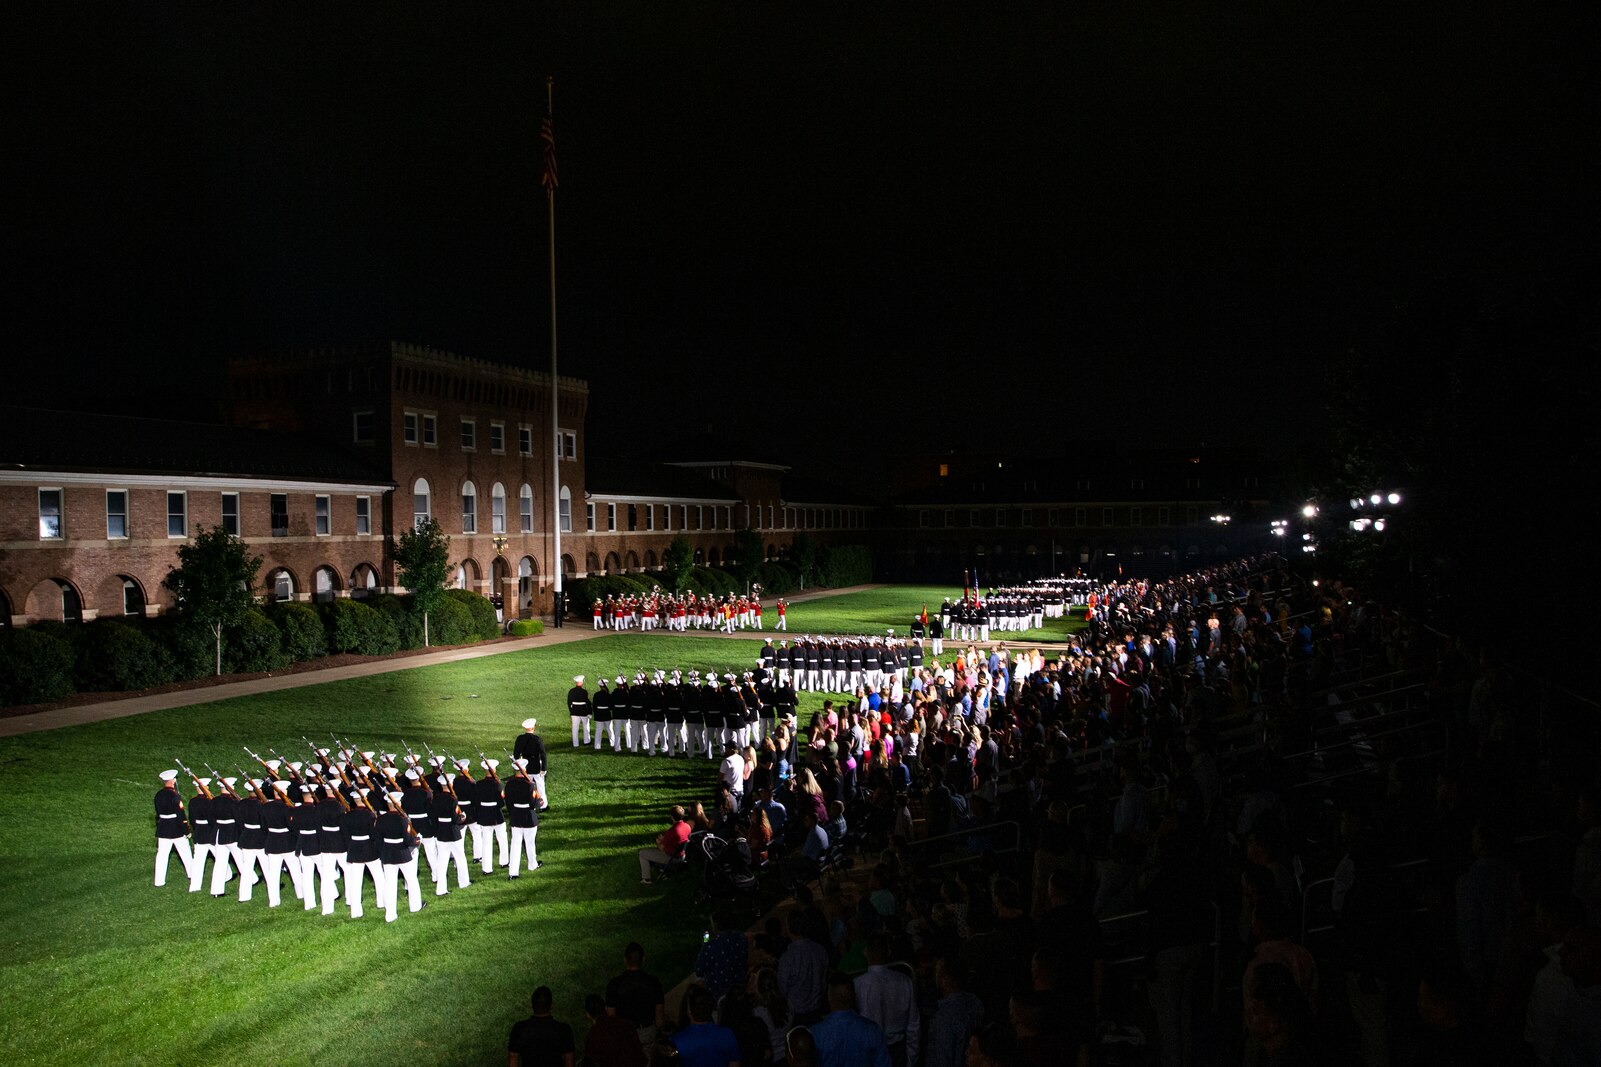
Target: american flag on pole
(547, 134)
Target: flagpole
(548, 179)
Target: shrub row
(51, 660)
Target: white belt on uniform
(393, 840)
(416, 817)
(330, 829)
(363, 837)
(521, 805)
(169, 816)
(489, 803)
(224, 822)
(277, 829)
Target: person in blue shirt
(844, 1038)
(703, 1043)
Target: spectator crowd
(1241, 819)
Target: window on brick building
(611, 518)
(421, 502)
(589, 517)
(497, 509)
(177, 514)
(525, 440)
(469, 508)
(430, 431)
(362, 431)
(564, 510)
(525, 508)
(230, 514)
(497, 437)
(469, 435)
(133, 598)
(116, 513)
(51, 527)
(363, 515)
(280, 515)
(324, 516)
(409, 427)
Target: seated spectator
(1452, 1031)
(844, 1038)
(802, 1050)
(1273, 945)
(612, 1041)
(807, 861)
(1277, 1018)
(539, 1040)
(836, 825)
(703, 1043)
(669, 846)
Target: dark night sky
(768, 207)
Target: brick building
(93, 507)
(326, 452)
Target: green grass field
(875, 610)
(100, 964)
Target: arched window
(421, 502)
(497, 509)
(469, 508)
(565, 510)
(525, 508)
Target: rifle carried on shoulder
(227, 789)
(195, 779)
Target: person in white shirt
(732, 771)
(887, 997)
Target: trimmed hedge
(777, 579)
(255, 645)
(302, 631)
(583, 592)
(451, 624)
(485, 626)
(114, 656)
(527, 628)
(35, 665)
(354, 627)
(401, 614)
(845, 565)
(716, 581)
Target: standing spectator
(887, 997)
(539, 1040)
(801, 971)
(773, 1010)
(636, 996)
(755, 1044)
(703, 1043)
(844, 1038)
(723, 959)
(1486, 900)
(802, 1049)
(957, 1016)
(1587, 858)
(612, 1041)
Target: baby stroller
(727, 871)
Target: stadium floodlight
(1376, 498)
(1378, 524)
(1309, 511)
(1394, 498)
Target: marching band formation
(682, 613)
(347, 814)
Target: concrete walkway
(122, 707)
